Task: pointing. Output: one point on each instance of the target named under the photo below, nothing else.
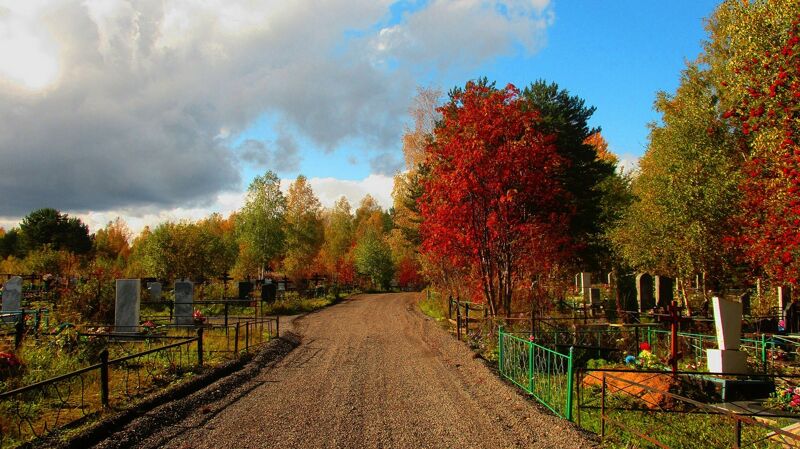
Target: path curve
(373, 372)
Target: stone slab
(726, 361)
(184, 303)
(126, 308)
(728, 323)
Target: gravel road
(372, 372)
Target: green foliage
(373, 259)
(11, 245)
(48, 227)
(261, 223)
(196, 251)
(686, 190)
(566, 117)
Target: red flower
(644, 346)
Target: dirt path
(372, 372)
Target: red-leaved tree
(767, 86)
(492, 203)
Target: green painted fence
(542, 372)
(694, 346)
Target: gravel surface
(370, 372)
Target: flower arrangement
(9, 364)
(787, 399)
(198, 317)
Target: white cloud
(122, 106)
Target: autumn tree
(261, 223)
(566, 118)
(304, 229)
(754, 55)
(493, 201)
(339, 242)
(111, 242)
(687, 187)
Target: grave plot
(55, 375)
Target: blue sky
(616, 55)
(164, 110)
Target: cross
(674, 318)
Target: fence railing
(544, 373)
(133, 363)
(37, 409)
(695, 346)
(639, 409)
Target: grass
(434, 305)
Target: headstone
(126, 308)
(12, 297)
(245, 287)
(644, 292)
(269, 292)
(744, 298)
(154, 288)
(728, 323)
(184, 303)
(594, 296)
(585, 286)
(664, 293)
(626, 292)
(784, 298)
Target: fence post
(226, 317)
(236, 340)
(764, 352)
(530, 367)
(737, 442)
(500, 349)
(568, 414)
(19, 330)
(466, 325)
(200, 346)
(247, 336)
(104, 378)
(278, 326)
(458, 322)
(603, 410)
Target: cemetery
(58, 374)
(693, 374)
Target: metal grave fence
(544, 373)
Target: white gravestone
(728, 322)
(126, 310)
(586, 286)
(184, 303)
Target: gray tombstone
(126, 309)
(184, 303)
(664, 291)
(784, 298)
(12, 297)
(154, 288)
(644, 292)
